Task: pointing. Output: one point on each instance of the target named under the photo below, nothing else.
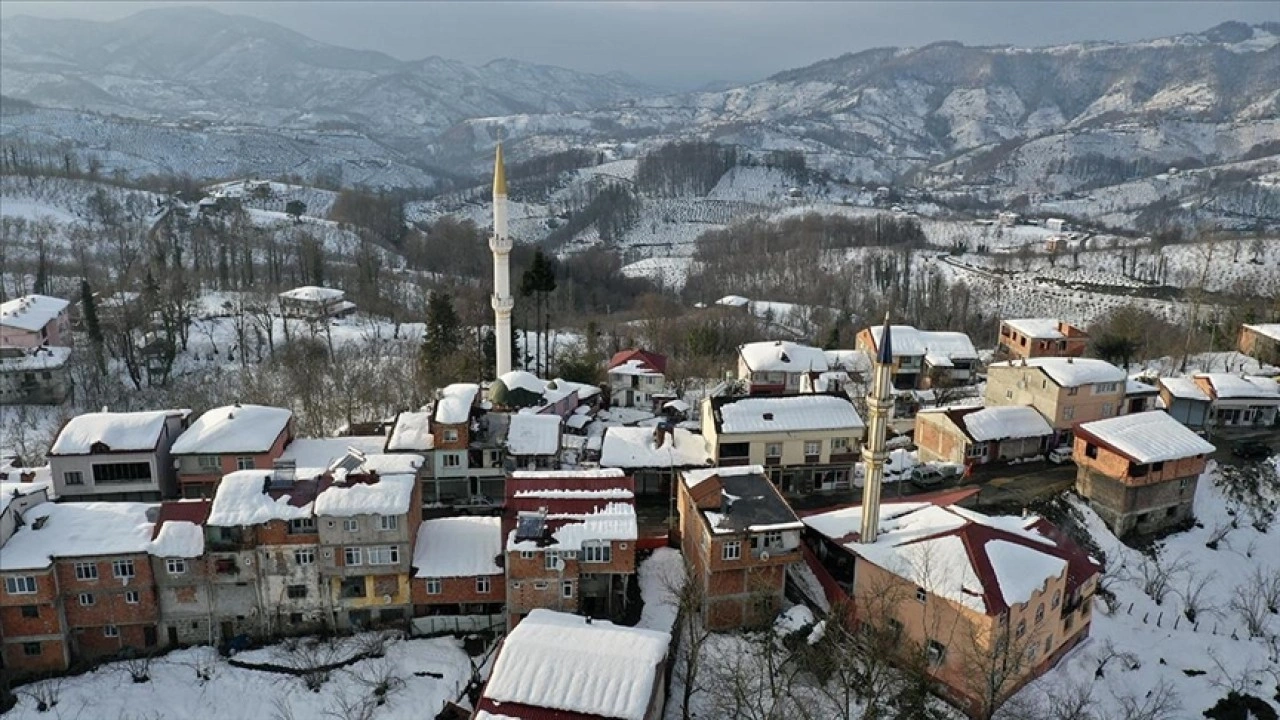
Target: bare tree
(44, 693)
(692, 631)
(1159, 703)
(1192, 593)
(1158, 574)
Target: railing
(441, 624)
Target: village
(593, 546)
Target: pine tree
(442, 337)
(539, 281)
(89, 308)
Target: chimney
(1070, 360)
(768, 416)
(659, 435)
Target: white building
(117, 456)
(637, 379)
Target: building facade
(34, 320)
(34, 376)
(117, 456)
(1066, 391)
(227, 439)
(1040, 337)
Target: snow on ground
(175, 692)
(659, 575)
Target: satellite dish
(558, 564)
(764, 555)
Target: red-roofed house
(637, 378)
(181, 575)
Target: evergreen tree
(89, 308)
(538, 282)
(443, 336)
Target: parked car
(1059, 455)
(927, 477)
(1251, 450)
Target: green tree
(538, 282)
(89, 308)
(442, 339)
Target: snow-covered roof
(910, 342)
(314, 456)
(31, 312)
(787, 414)
(848, 360)
(458, 547)
(412, 431)
(119, 432)
(637, 362)
(693, 478)
(178, 539)
(587, 474)
(633, 367)
(1006, 422)
(1147, 437)
(557, 494)
(1137, 387)
(782, 356)
(11, 490)
(1271, 330)
(1067, 372)
(519, 379)
(566, 662)
(41, 358)
(241, 499)
(733, 301)
(614, 521)
(77, 530)
(1036, 328)
(454, 405)
(633, 447)
(312, 293)
(530, 434)
(232, 429)
(1185, 388)
(389, 495)
(1226, 385)
(560, 388)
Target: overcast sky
(687, 44)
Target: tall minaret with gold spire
(874, 454)
(500, 244)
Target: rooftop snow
(1137, 387)
(241, 499)
(1037, 328)
(390, 495)
(1069, 372)
(849, 360)
(789, 414)
(782, 356)
(519, 379)
(458, 547)
(1271, 330)
(560, 388)
(454, 405)
(1226, 385)
(615, 521)
(178, 539)
(633, 367)
(1005, 422)
(314, 456)
(633, 447)
(31, 312)
(11, 490)
(1148, 437)
(693, 478)
(910, 342)
(530, 434)
(590, 474)
(552, 494)
(565, 662)
(40, 358)
(1021, 571)
(412, 431)
(311, 293)
(120, 432)
(77, 530)
(233, 429)
(1185, 388)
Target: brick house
(1040, 337)
(776, 368)
(1261, 342)
(922, 358)
(181, 574)
(1066, 391)
(34, 320)
(978, 435)
(1139, 472)
(116, 456)
(653, 456)
(957, 590)
(533, 441)
(467, 462)
(570, 542)
(739, 535)
(457, 564)
(226, 439)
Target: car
(1251, 450)
(1059, 455)
(927, 477)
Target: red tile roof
(652, 359)
(192, 511)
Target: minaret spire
(874, 455)
(500, 244)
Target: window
(527, 554)
(1057, 599)
(482, 585)
(539, 586)
(732, 550)
(1071, 620)
(937, 652)
(175, 566)
(87, 599)
(306, 556)
(244, 463)
(1108, 410)
(131, 597)
(1157, 466)
(296, 592)
(352, 556)
(1008, 394)
(1073, 391)
(1183, 484)
(351, 525)
(921, 595)
(772, 539)
(295, 618)
(451, 460)
(1104, 387)
(24, 585)
(812, 448)
(566, 589)
(839, 445)
(73, 477)
(977, 450)
(1068, 413)
(450, 435)
(86, 571)
(300, 526)
(209, 463)
(1048, 645)
(389, 555)
(773, 450)
(434, 586)
(111, 631)
(1091, 450)
(1022, 628)
(1040, 613)
(895, 627)
(597, 553)
(1084, 608)
(121, 473)
(551, 561)
(387, 523)
(30, 649)
(122, 569)
(30, 611)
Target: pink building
(35, 320)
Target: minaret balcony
(502, 305)
(500, 244)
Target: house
(227, 439)
(557, 666)
(533, 441)
(368, 518)
(1055, 224)
(1066, 391)
(807, 443)
(517, 390)
(637, 379)
(183, 596)
(652, 455)
(1139, 397)
(1040, 337)
(34, 376)
(1240, 400)
(117, 456)
(570, 542)
(957, 591)
(1261, 342)
(980, 435)
(775, 368)
(77, 585)
(924, 358)
(1186, 401)
(15, 499)
(1139, 471)
(739, 536)
(314, 303)
(467, 464)
(458, 581)
(34, 320)
(1007, 218)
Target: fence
(457, 624)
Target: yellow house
(1066, 391)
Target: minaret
(500, 244)
(874, 455)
